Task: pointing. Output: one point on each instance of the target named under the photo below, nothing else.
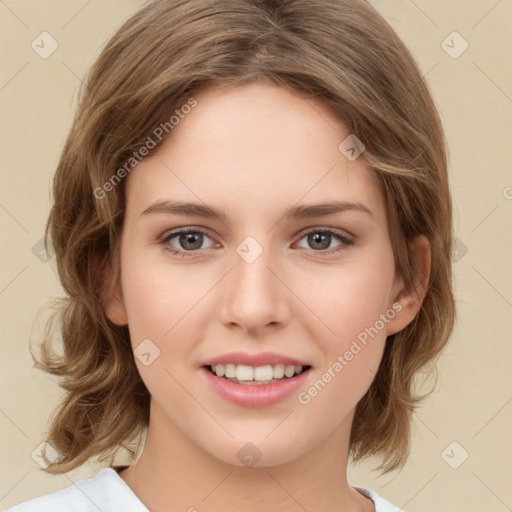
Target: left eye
(322, 238)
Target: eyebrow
(296, 212)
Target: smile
(244, 374)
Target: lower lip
(257, 395)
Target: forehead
(253, 146)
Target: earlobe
(115, 309)
(112, 298)
(421, 252)
(408, 301)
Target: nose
(254, 297)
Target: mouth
(256, 376)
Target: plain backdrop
(461, 454)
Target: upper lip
(260, 359)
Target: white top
(108, 492)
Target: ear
(112, 296)
(407, 302)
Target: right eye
(188, 240)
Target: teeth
(243, 372)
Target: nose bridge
(253, 296)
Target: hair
(341, 52)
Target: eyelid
(346, 240)
(320, 229)
(167, 236)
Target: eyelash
(164, 241)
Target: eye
(320, 240)
(188, 240)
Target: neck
(175, 474)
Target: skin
(252, 151)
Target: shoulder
(106, 491)
(381, 505)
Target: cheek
(351, 334)
(161, 300)
(352, 339)
(348, 299)
(168, 306)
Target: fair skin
(252, 152)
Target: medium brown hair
(341, 52)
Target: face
(265, 275)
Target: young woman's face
(267, 275)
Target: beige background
(472, 404)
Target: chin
(257, 453)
